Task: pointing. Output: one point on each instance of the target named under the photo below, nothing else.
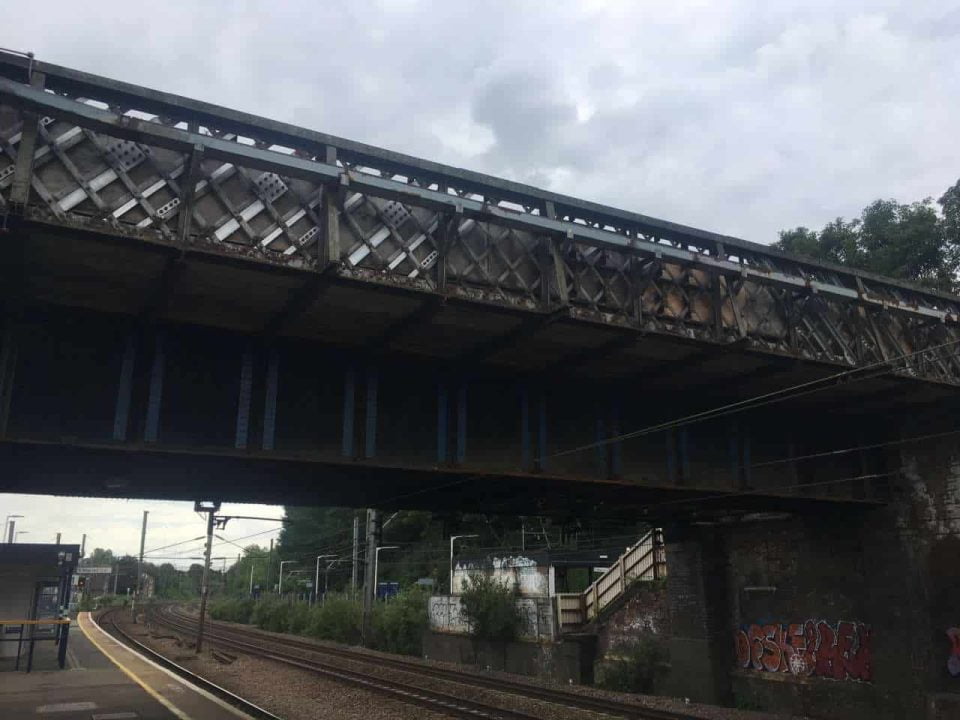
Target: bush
(632, 667)
(338, 619)
(272, 615)
(299, 618)
(491, 609)
(238, 611)
(399, 623)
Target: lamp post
(280, 583)
(316, 577)
(6, 524)
(452, 538)
(252, 563)
(326, 577)
(376, 565)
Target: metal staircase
(645, 561)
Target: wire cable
(750, 403)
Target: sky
(739, 117)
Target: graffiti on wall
(815, 648)
(953, 662)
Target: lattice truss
(82, 176)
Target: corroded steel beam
(191, 174)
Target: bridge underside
(126, 383)
(197, 301)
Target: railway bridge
(199, 302)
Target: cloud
(738, 117)
(115, 525)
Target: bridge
(198, 302)
(195, 297)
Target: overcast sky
(740, 117)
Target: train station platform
(106, 680)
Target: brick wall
(844, 614)
(644, 612)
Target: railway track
(257, 642)
(440, 702)
(107, 621)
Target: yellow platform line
(81, 617)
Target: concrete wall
(446, 616)
(519, 573)
(841, 615)
(563, 662)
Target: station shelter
(35, 581)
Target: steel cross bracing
(135, 162)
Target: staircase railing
(645, 561)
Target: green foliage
(232, 610)
(491, 609)
(100, 558)
(399, 624)
(633, 667)
(338, 619)
(273, 615)
(908, 241)
(110, 601)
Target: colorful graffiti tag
(815, 648)
(953, 662)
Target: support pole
(369, 591)
(143, 537)
(356, 554)
(204, 585)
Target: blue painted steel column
(349, 411)
(370, 424)
(443, 421)
(735, 453)
(461, 423)
(616, 448)
(244, 399)
(526, 447)
(270, 399)
(121, 412)
(542, 432)
(671, 456)
(746, 459)
(151, 430)
(684, 454)
(8, 363)
(601, 436)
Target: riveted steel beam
(568, 224)
(634, 225)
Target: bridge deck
(189, 258)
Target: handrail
(59, 637)
(579, 608)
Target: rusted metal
(383, 218)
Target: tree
(491, 609)
(909, 241)
(100, 558)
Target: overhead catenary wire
(750, 403)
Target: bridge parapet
(81, 151)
